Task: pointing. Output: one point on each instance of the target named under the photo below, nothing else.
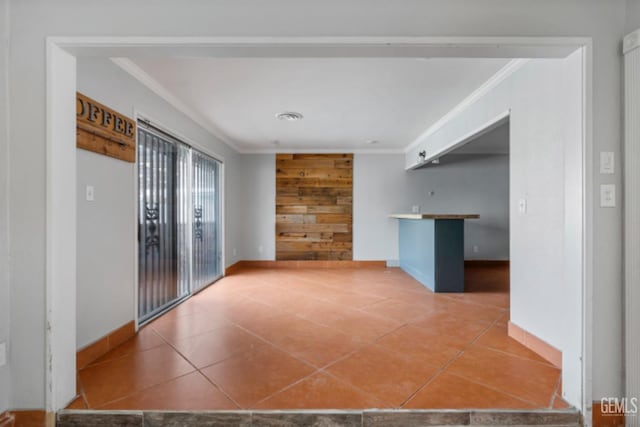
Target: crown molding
(152, 84)
(502, 74)
(285, 150)
(631, 42)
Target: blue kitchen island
(432, 249)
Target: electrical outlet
(260, 249)
(3, 353)
(608, 196)
(235, 252)
(476, 249)
(415, 209)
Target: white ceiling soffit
(346, 102)
(494, 141)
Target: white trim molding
(500, 119)
(631, 42)
(57, 140)
(632, 217)
(152, 84)
(325, 150)
(513, 66)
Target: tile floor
(327, 338)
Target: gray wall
(106, 230)
(461, 184)
(106, 227)
(633, 16)
(33, 21)
(259, 201)
(474, 184)
(5, 380)
(381, 186)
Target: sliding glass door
(178, 221)
(206, 254)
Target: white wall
(461, 184)
(259, 206)
(633, 16)
(107, 227)
(538, 97)
(32, 21)
(61, 231)
(106, 255)
(5, 378)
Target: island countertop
(434, 216)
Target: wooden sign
(103, 130)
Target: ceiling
(346, 102)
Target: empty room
(322, 214)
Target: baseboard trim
(233, 268)
(98, 348)
(31, 418)
(303, 264)
(535, 344)
(486, 263)
(600, 418)
(7, 419)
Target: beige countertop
(435, 216)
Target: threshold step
(320, 418)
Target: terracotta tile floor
(318, 339)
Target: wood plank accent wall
(314, 206)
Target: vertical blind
(178, 221)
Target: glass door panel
(157, 226)
(206, 253)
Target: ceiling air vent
(290, 116)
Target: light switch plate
(90, 193)
(607, 196)
(607, 162)
(3, 353)
(522, 206)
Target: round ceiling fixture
(290, 116)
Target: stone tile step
(328, 418)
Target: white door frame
(60, 170)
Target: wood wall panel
(314, 207)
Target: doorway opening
(579, 371)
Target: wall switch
(607, 162)
(90, 193)
(415, 209)
(3, 353)
(235, 252)
(522, 206)
(607, 196)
